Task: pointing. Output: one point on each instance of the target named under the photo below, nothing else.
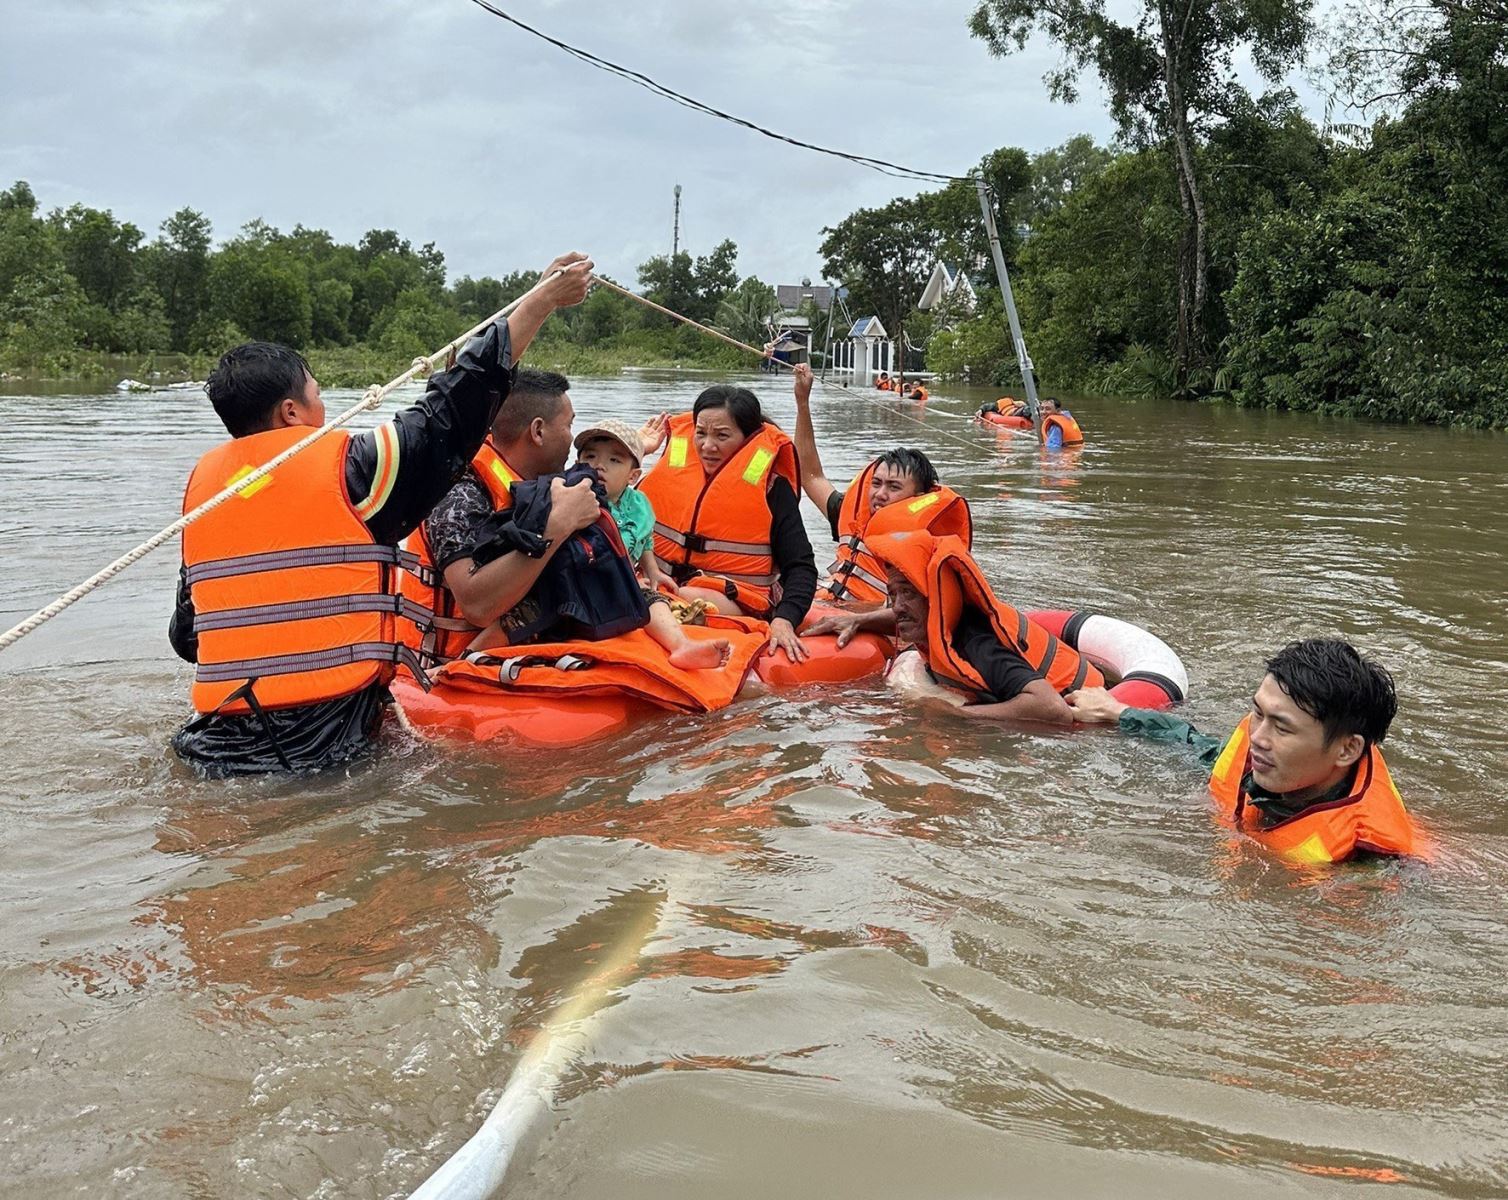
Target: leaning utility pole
(1023, 359)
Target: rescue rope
(971, 443)
(372, 398)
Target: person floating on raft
(287, 598)
(1006, 406)
(997, 663)
(898, 490)
(1303, 773)
(728, 526)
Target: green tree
(1170, 74)
(178, 265)
(745, 311)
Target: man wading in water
(287, 600)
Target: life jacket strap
(697, 544)
(309, 556)
(308, 610)
(316, 660)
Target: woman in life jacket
(1302, 773)
(728, 528)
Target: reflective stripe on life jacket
(294, 603)
(855, 574)
(943, 571)
(1066, 425)
(1372, 818)
(447, 633)
(718, 527)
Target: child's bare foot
(701, 656)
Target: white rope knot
(372, 397)
(421, 367)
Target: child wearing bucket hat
(613, 450)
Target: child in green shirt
(612, 448)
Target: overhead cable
(875, 164)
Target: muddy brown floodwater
(894, 954)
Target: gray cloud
(449, 125)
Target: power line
(874, 164)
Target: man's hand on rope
(570, 286)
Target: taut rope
(971, 443)
(372, 399)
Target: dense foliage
(76, 283)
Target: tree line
(76, 282)
(1227, 245)
(1223, 245)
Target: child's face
(613, 464)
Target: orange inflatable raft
(1007, 420)
(560, 695)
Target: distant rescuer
(1302, 773)
(288, 597)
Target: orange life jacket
(1072, 434)
(719, 525)
(1372, 818)
(921, 394)
(294, 603)
(943, 571)
(855, 574)
(885, 385)
(446, 633)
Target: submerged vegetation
(1225, 245)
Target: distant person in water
(1302, 773)
(884, 383)
(1058, 426)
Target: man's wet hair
(533, 394)
(251, 380)
(1335, 685)
(913, 463)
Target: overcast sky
(449, 125)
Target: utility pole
(675, 240)
(1023, 359)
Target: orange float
(1007, 420)
(528, 698)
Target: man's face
(555, 438)
(613, 463)
(889, 484)
(910, 608)
(1289, 754)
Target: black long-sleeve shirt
(437, 439)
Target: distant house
(865, 351)
(790, 296)
(948, 293)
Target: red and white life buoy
(1148, 673)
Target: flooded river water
(850, 949)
